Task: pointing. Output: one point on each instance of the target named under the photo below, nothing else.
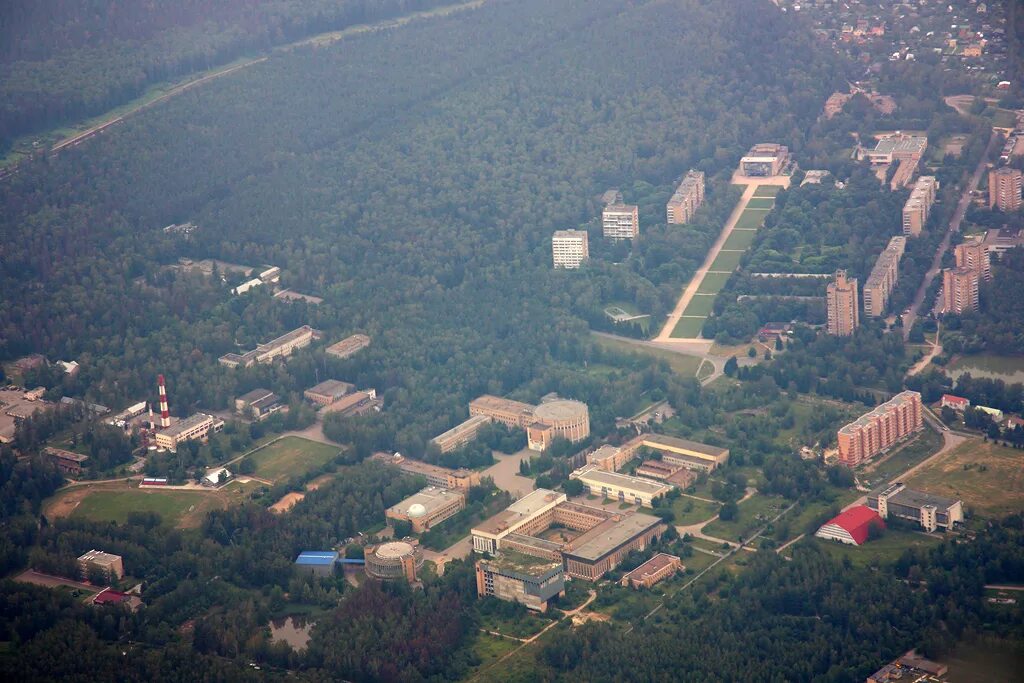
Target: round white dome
(417, 510)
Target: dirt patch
(319, 481)
(288, 502)
(64, 502)
(49, 581)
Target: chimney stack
(165, 413)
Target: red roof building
(851, 526)
(955, 402)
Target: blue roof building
(318, 562)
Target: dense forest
(998, 326)
(65, 60)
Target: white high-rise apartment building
(569, 248)
(621, 221)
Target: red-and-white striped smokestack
(165, 413)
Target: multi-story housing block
(621, 221)
(687, 198)
(919, 205)
(570, 248)
(841, 302)
(883, 277)
(960, 290)
(879, 429)
(1004, 189)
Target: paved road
(1003, 587)
(40, 579)
(687, 347)
(954, 226)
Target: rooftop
(901, 143)
(918, 499)
(255, 395)
(98, 556)
(610, 534)
(317, 557)
(394, 550)
(331, 387)
(652, 566)
(594, 474)
(656, 440)
(560, 409)
(519, 511)
(521, 563)
(188, 423)
(497, 403)
(429, 499)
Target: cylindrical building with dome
(558, 418)
(427, 509)
(394, 560)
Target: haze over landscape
(563, 340)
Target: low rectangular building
(280, 347)
(689, 454)
(97, 560)
(622, 487)
(435, 475)
(525, 579)
(525, 516)
(601, 549)
(930, 511)
(461, 434)
(512, 414)
(348, 346)
(764, 160)
(427, 508)
(68, 462)
(671, 472)
(609, 458)
(656, 569)
(258, 403)
(198, 426)
(317, 562)
(327, 392)
(356, 403)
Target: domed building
(394, 560)
(558, 418)
(427, 509)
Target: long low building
(689, 454)
(515, 577)
(523, 516)
(601, 549)
(348, 346)
(276, 348)
(621, 487)
(68, 462)
(656, 569)
(197, 427)
(930, 511)
(461, 434)
(852, 526)
(427, 508)
(435, 475)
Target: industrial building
(1004, 189)
(686, 199)
(764, 160)
(919, 205)
(395, 560)
(851, 526)
(281, 347)
(881, 428)
(998, 242)
(461, 434)
(883, 278)
(911, 668)
(317, 562)
(621, 487)
(515, 577)
(435, 475)
(842, 307)
(570, 248)
(930, 511)
(427, 508)
(327, 392)
(620, 221)
(658, 568)
(197, 427)
(258, 403)
(348, 346)
(558, 419)
(97, 560)
(68, 462)
(692, 455)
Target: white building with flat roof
(621, 221)
(570, 248)
(518, 518)
(621, 487)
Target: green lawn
(751, 218)
(740, 239)
(688, 328)
(713, 283)
(115, 506)
(760, 203)
(290, 456)
(727, 261)
(882, 550)
(749, 518)
(698, 561)
(767, 190)
(679, 362)
(898, 462)
(691, 510)
(700, 304)
(987, 477)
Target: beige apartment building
(879, 429)
(621, 221)
(1004, 189)
(570, 248)
(974, 255)
(919, 205)
(111, 565)
(687, 198)
(843, 309)
(960, 290)
(883, 278)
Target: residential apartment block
(621, 221)
(111, 565)
(1004, 188)
(960, 290)
(277, 348)
(841, 302)
(570, 248)
(919, 205)
(687, 198)
(974, 255)
(879, 429)
(883, 278)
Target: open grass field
(751, 218)
(988, 478)
(901, 459)
(880, 551)
(767, 190)
(688, 328)
(740, 239)
(681, 363)
(177, 508)
(727, 261)
(713, 283)
(701, 304)
(749, 518)
(985, 661)
(760, 203)
(698, 562)
(690, 510)
(290, 456)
